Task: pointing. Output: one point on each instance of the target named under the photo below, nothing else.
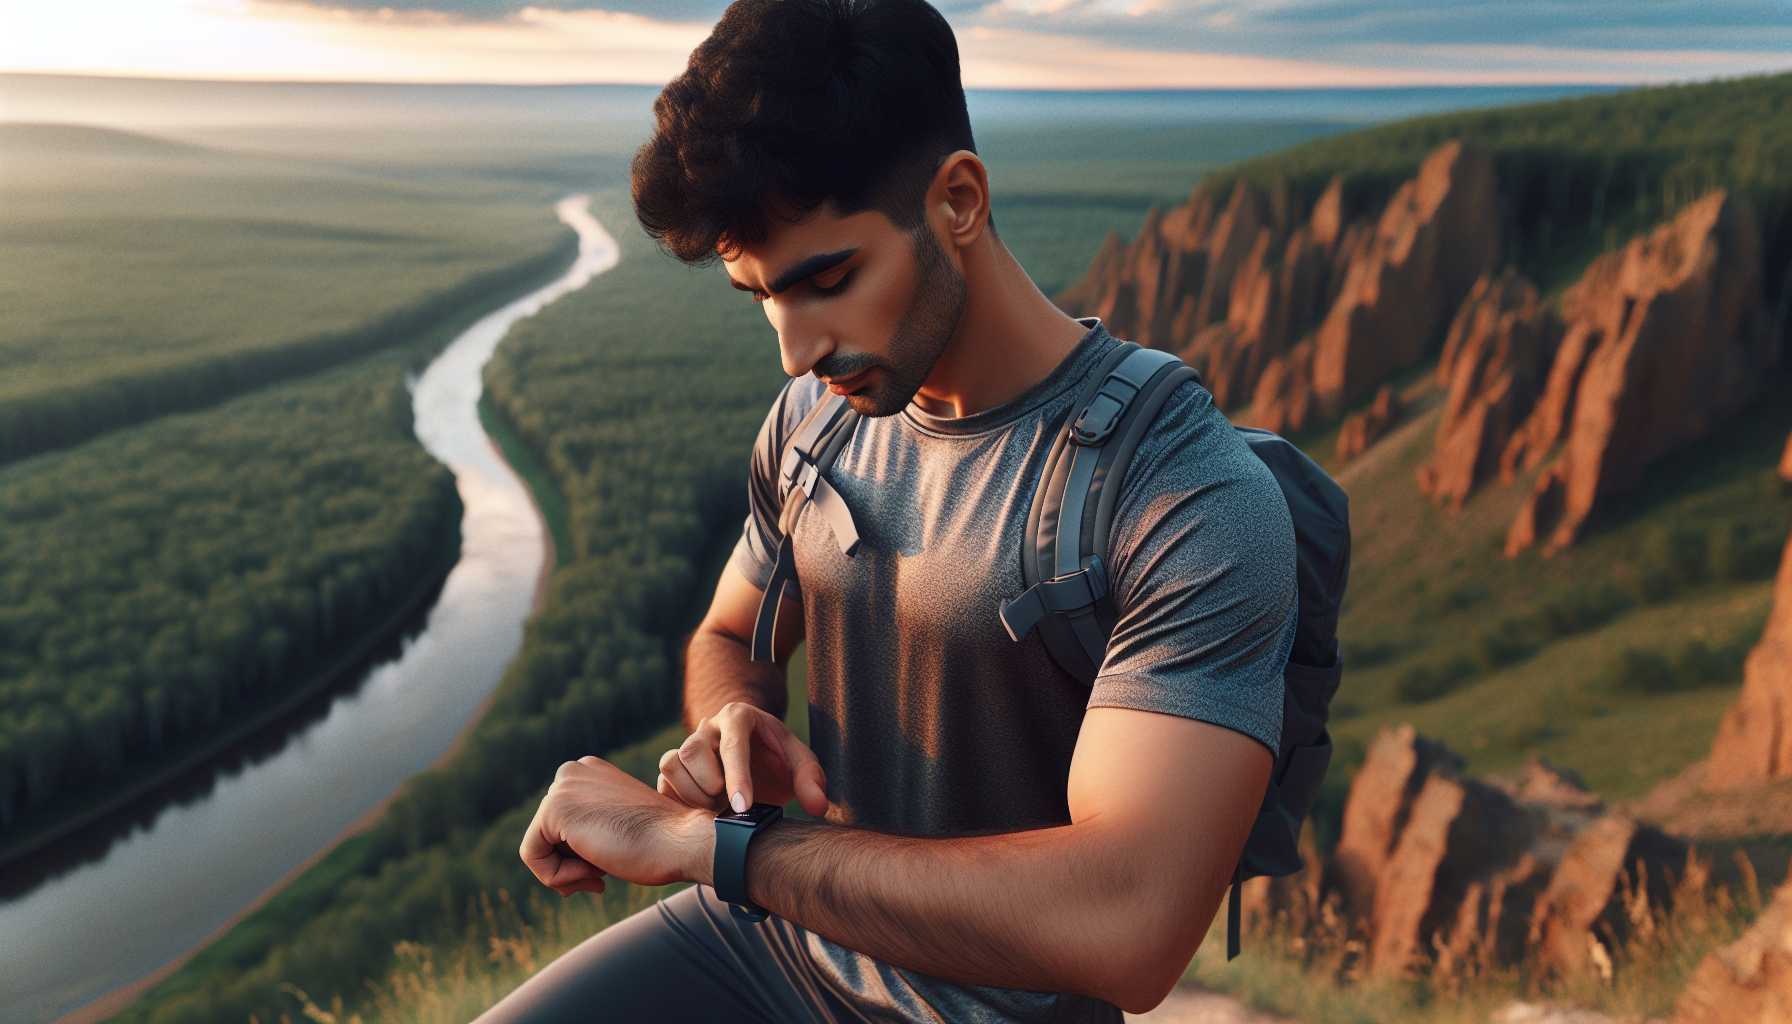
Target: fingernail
(740, 805)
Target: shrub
(1746, 552)
(1511, 640)
(1432, 680)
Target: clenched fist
(743, 749)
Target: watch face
(758, 814)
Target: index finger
(736, 749)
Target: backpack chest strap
(802, 479)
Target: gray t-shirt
(927, 718)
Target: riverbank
(118, 1000)
(519, 280)
(115, 1001)
(175, 765)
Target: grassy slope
(207, 251)
(1425, 586)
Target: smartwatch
(734, 833)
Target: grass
(1504, 657)
(1304, 964)
(453, 982)
(263, 250)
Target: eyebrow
(809, 267)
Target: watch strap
(734, 837)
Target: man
(992, 840)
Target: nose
(801, 348)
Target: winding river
(123, 903)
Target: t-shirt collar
(1071, 369)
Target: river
(128, 899)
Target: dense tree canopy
(156, 583)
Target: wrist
(697, 834)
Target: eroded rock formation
(1363, 429)
(1495, 360)
(1750, 980)
(1613, 859)
(1667, 337)
(1754, 739)
(1299, 318)
(1435, 237)
(1434, 868)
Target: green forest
(653, 476)
(162, 584)
(156, 584)
(1578, 176)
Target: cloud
(1341, 41)
(1270, 28)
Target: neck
(1010, 338)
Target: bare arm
(718, 666)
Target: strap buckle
(1102, 414)
(1067, 593)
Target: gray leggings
(686, 958)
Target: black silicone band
(734, 835)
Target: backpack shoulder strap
(1066, 543)
(813, 447)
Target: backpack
(1064, 564)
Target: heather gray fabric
(928, 719)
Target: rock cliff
(1667, 337)
(1754, 739)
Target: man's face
(855, 295)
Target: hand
(746, 748)
(598, 819)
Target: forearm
(1049, 910)
(719, 669)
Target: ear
(960, 194)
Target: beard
(922, 335)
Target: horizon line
(1393, 87)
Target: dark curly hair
(790, 104)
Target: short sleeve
(1202, 556)
(756, 553)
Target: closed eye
(837, 288)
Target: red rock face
(1683, 342)
(1586, 892)
(1365, 428)
(1283, 400)
(1177, 275)
(1460, 837)
(1435, 868)
(1435, 237)
(1750, 980)
(1754, 739)
(1236, 286)
(1541, 513)
(1381, 798)
(1548, 420)
(1786, 462)
(1495, 357)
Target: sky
(1022, 44)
